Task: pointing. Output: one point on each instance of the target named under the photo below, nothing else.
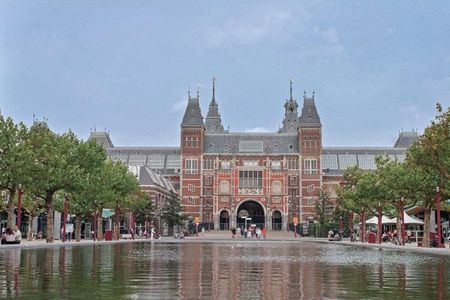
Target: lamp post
(438, 212)
(402, 227)
(66, 202)
(19, 206)
(341, 226)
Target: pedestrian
(264, 232)
(17, 235)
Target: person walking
(264, 232)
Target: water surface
(219, 270)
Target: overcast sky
(376, 67)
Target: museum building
(270, 179)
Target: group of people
(11, 236)
(250, 232)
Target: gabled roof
(193, 115)
(102, 138)
(310, 116)
(405, 139)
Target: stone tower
(191, 150)
(310, 147)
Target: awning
(409, 219)
(384, 220)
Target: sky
(376, 67)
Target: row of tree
(394, 184)
(50, 168)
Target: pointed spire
(290, 89)
(213, 122)
(198, 92)
(214, 90)
(189, 92)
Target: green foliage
(322, 208)
(142, 207)
(172, 210)
(432, 150)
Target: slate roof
(309, 116)
(102, 138)
(405, 139)
(193, 115)
(148, 177)
(163, 160)
(271, 142)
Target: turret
(290, 121)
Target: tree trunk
(116, 230)
(78, 228)
(49, 207)
(426, 228)
(363, 225)
(99, 226)
(11, 208)
(30, 227)
(399, 223)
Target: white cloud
(249, 29)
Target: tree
(122, 184)
(142, 208)
(322, 208)
(353, 195)
(172, 211)
(432, 150)
(33, 207)
(14, 160)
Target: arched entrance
(224, 220)
(276, 220)
(254, 210)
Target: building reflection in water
(221, 270)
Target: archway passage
(255, 212)
(276, 220)
(224, 220)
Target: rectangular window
(191, 166)
(293, 180)
(191, 188)
(310, 166)
(208, 164)
(250, 163)
(208, 180)
(310, 188)
(276, 165)
(292, 163)
(250, 179)
(191, 200)
(310, 200)
(225, 165)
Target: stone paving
(225, 236)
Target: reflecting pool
(222, 270)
